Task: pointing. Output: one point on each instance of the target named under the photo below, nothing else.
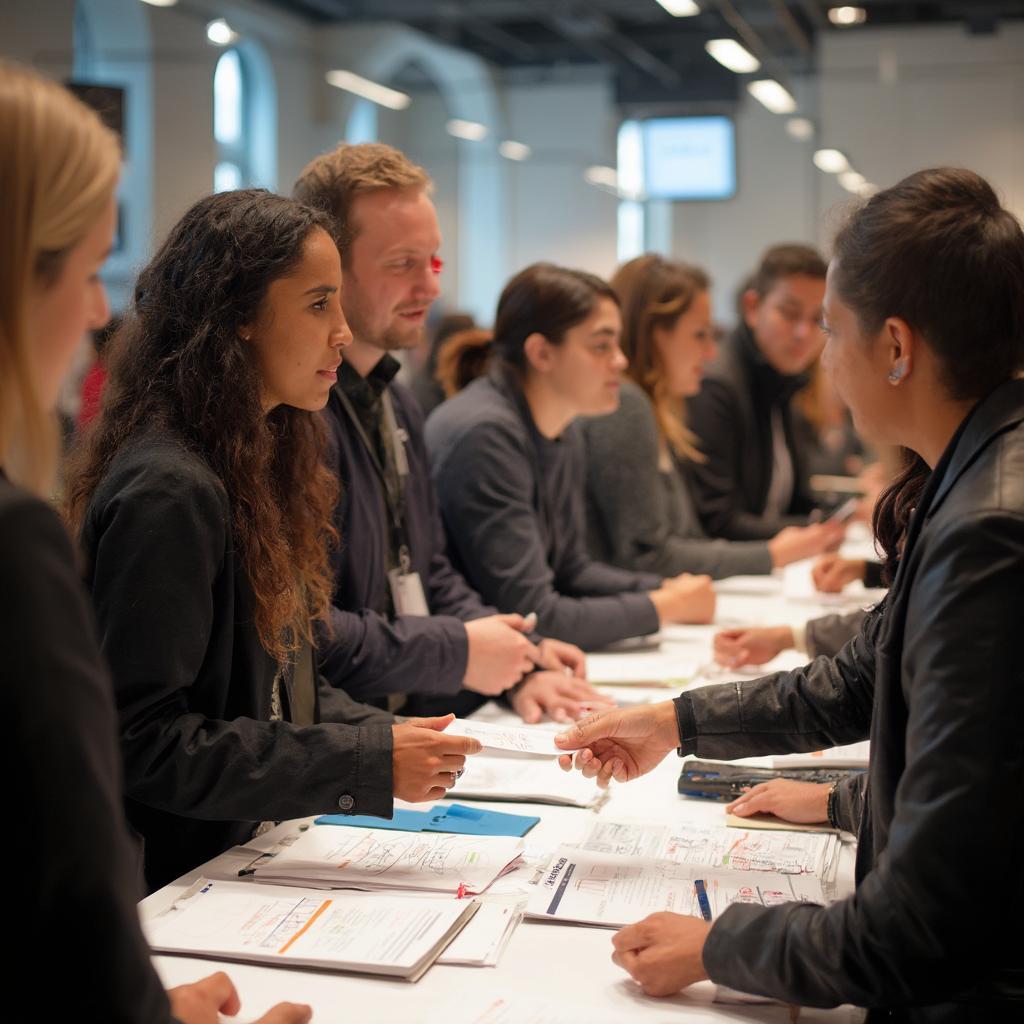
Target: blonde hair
(58, 170)
(655, 292)
(333, 181)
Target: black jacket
(732, 420)
(936, 677)
(512, 505)
(75, 879)
(372, 653)
(193, 684)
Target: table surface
(567, 965)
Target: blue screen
(689, 158)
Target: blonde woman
(58, 171)
(641, 514)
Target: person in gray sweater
(641, 514)
(507, 460)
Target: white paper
(367, 858)
(518, 779)
(717, 846)
(483, 940)
(270, 924)
(515, 1008)
(522, 739)
(669, 667)
(613, 890)
(852, 755)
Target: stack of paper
(399, 936)
(483, 940)
(525, 781)
(624, 871)
(852, 755)
(366, 858)
(669, 668)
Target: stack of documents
(623, 871)
(398, 936)
(671, 667)
(367, 858)
(853, 755)
(483, 940)
(525, 781)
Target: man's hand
(499, 654)
(561, 697)
(831, 573)
(202, 1002)
(621, 744)
(805, 803)
(557, 654)
(684, 598)
(663, 952)
(424, 761)
(735, 647)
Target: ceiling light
(769, 93)
(801, 128)
(846, 16)
(731, 55)
(220, 33)
(606, 177)
(471, 131)
(160, 3)
(372, 91)
(852, 181)
(867, 189)
(680, 8)
(512, 150)
(831, 161)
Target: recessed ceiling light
(680, 8)
(372, 91)
(846, 16)
(512, 150)
(801, 128)
(772, 95)
(831, 161)
(220, 33)
(471, 131)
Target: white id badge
(407, 593)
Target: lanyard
(392, 476)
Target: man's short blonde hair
(334, 180)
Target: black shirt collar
(364, 392)
(770, 386)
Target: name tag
(407, 593)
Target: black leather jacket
(934, 930)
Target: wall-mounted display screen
(689, 158)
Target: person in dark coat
(925, 318)
(203, 505)
(752, 481)
(76, 890)
(408, 631)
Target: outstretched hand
(620, 744)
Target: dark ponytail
(462, 358)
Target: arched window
(231, 123)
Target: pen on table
(702, 898)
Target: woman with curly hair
(204, 509)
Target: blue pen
(702, 899)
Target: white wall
(553, 213)
(894, 101)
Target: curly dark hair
(178, 363)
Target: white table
(563, 963)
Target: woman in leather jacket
(925, 316)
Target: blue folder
(457, 818)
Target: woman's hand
(831, 573)
(684, 598)
(424, 761)
(735, 647)
(620, 744)
(663, 952)
(557, 654)
(204, 1001)
(805, 803)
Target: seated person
(408, 631)
(508, 464)
(752, 482)
(640, 510)
(924, 310)
(204, 511)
